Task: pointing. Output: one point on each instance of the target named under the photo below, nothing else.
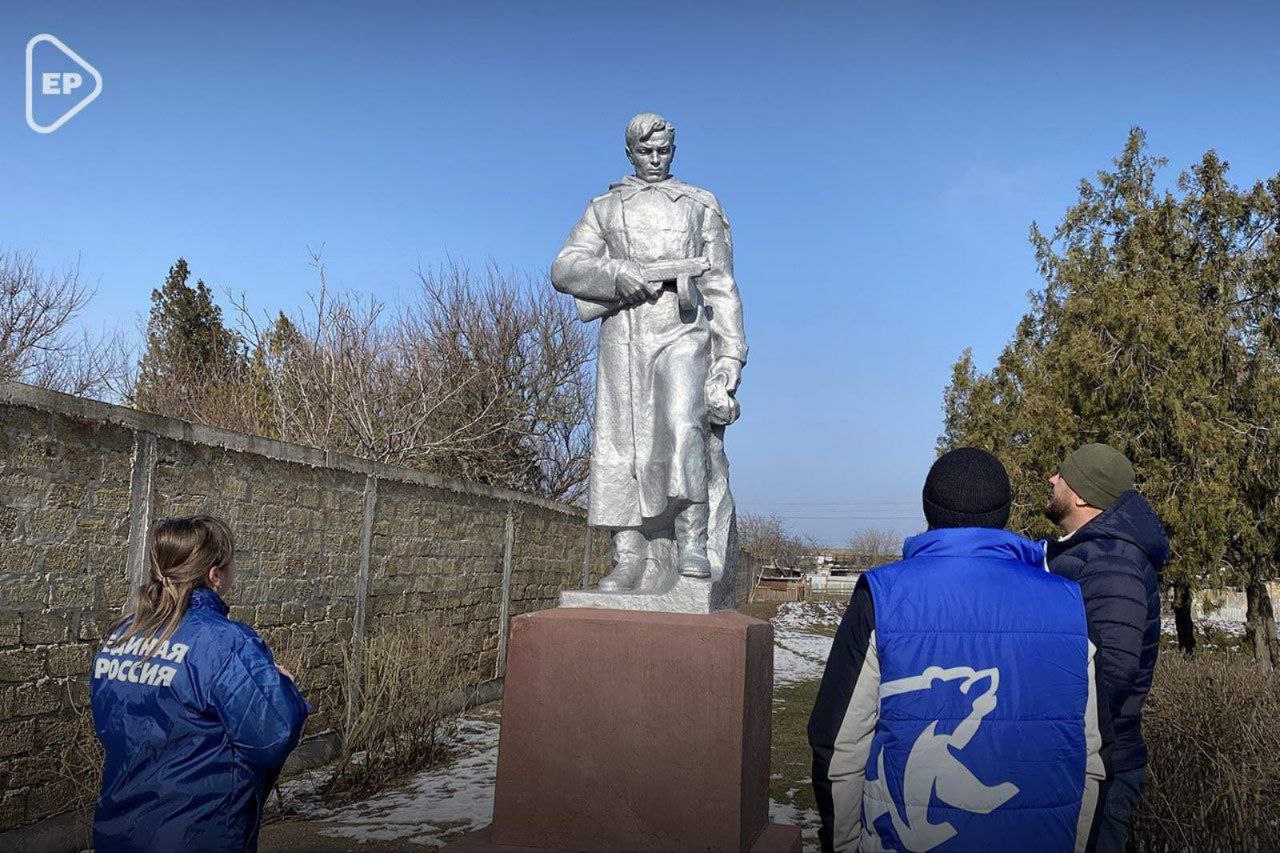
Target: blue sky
(881, 164)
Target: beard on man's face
(1057, 508)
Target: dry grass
(80, 759)
(410, 693)
(1213, 731)
(791, 767)
(764, 610)
(78, 763)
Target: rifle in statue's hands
(657, 274)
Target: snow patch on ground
(809, 616)
(297, 796)
(802, 641)
(1208, 624)
(808, 820)
(799, 657)
(436, 806)
(1227, 627)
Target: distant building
(842, 562)
(832, 572)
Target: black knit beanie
(967, 487)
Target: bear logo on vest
(933, 768)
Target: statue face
(652, 157)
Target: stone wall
(1220, 605)
(329, 548)
(64, 537)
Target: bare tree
(39, 343)
(877, 545)
(483, 377)
(767, 538)
(527, 360)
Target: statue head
(651, 146)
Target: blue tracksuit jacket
(194, 735)
(958, 710)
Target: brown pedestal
(629, 731)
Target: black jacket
(1116, 559)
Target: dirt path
(304, 836)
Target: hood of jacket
(1132, 519)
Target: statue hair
(644, 125)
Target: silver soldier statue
(653, 259)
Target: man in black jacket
(1114, 547)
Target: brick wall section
(64, 526)
(68, 500)
(79, 478)
(544, 550)
(297, 551)
(436, 558)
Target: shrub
(412, 685)
(1212, 725)
(79, 760)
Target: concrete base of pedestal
(631, 731)
(683, 595)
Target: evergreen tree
(188, 347)
(1156, 332)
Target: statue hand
(722, 408)
(728, 370)
(630, 283)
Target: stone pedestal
(683, 595)
(631, 731)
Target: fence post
(361, 616)
(504, 614)
(141, 508)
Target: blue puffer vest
(984, 684)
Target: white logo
(58, 84)
(932, 768)
(108, 664)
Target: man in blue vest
(1114, 548)
(958, 710)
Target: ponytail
(181, 554)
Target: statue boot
(691, 540)
(629, 552)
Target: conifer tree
(188, 347)
(1156, 332)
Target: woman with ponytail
(195, 717)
